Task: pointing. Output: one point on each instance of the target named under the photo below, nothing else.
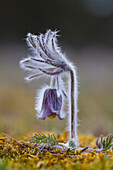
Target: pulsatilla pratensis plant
(48, 60)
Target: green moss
(23, 154)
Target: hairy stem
(73, 92)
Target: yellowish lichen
(24, 154)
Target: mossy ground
(22, 153)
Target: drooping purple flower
(51, 104)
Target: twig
(41, 150)
(14, 140)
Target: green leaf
(72, 144)
(45, 139)
(108, 147)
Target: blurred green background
(86, 29)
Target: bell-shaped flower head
(51, 104)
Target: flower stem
(73, 92)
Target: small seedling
(105, 143)
(48, 139)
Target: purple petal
(60, 117)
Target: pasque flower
(47, 60)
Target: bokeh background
(86, 29)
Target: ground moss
(24, 153)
